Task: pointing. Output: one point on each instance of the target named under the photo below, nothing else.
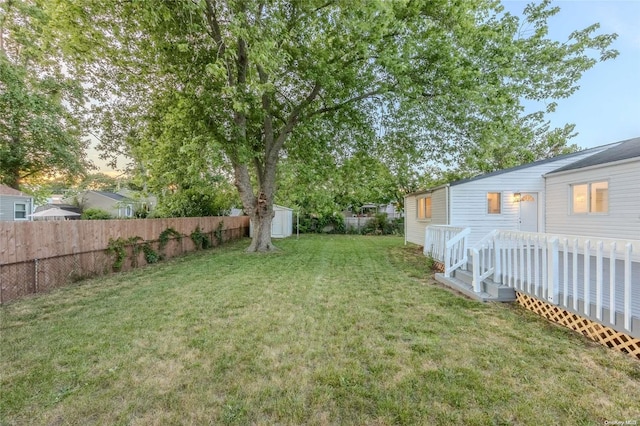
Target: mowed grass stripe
(331, 330)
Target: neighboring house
(14, 205)
(598, 195)
(510, 199)
(116, 205)
(144, 203)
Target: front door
(529, 212)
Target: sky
(606, 108)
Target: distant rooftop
(6, 190)
(112, 195)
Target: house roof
(7, 190)
(594, 151)
(535, 163)
(624, 150)
(113, 196)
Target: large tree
(39, 134)
(247, 82)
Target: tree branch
(292, 119)
(336, 107)
(212, 20)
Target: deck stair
(461, 281)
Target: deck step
(490, 291)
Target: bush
(380, 225)
(95, 214)
(331, 223)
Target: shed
(282, 223)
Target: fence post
(553, 274)
(35, 276)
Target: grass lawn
(332, 330)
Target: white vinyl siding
(415, 227)
(468, 201)
(622, 218)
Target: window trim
(589, 184)
(500, 203)
(15, 210)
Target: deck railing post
(552, 270)
(575, 273)
(475, 256)
(496, 261)
(599, 253)
(587, 278)
(612, 284)
(627, 286)
(565, 272)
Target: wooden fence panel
(40, 256)
(23, 241)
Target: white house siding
(469, 205)
(469, 198)
(415, 228)
(623, 219)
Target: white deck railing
(583, 274)
(447, 244)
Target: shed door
(529, 212)
(276, 224)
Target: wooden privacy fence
(39, 256)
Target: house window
(590, 197)
(424, 208)
(20, 211)
(494, 202)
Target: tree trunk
(259, 209)
(261, 240)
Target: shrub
(331, 223)
(380, 225)
(200, 239)
(377, 225)
(95, 214)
